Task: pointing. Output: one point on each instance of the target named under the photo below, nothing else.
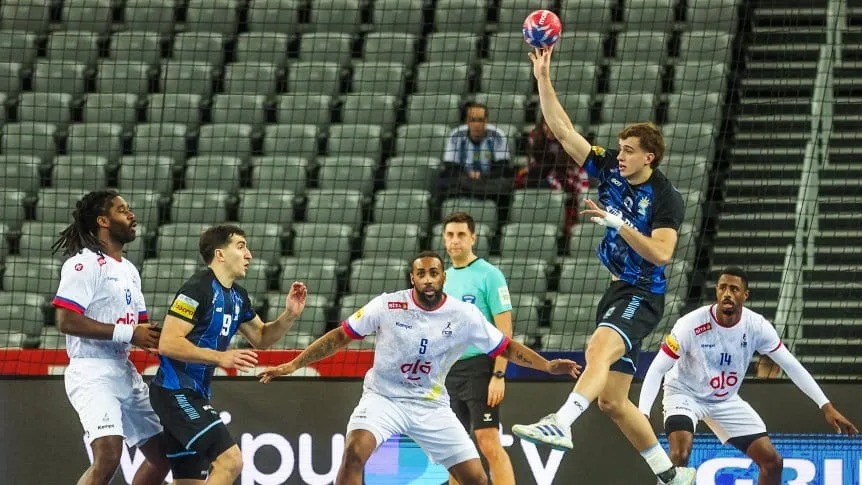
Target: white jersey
(712, 360)
(103, 289)
(415, 348)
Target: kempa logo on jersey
(403, 325)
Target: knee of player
(489, 444)
(107, 460)
(604, 351)
(353, 457)
(611, 406)
(772, 462)
(679, 455)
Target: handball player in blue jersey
(206, 313)
(642, 212)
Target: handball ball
(542, 28)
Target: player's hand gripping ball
(542, 29)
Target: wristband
(123, 333)
(610, 220)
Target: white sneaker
(684, 476)
(547, 431)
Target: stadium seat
(186, 77)
(239, 108)
(384, 78)
(152, 171)
(628, 107)
(55, 108)
(158, 304)
(482, 211)
(316, 273)
(716, 15)
(136, 46)
(184, 109)
(442, 78)
(17, 46)
(21, 319)
(58, 76)
(199, 47)
(336, 16)
(402, 206)
(160, 139)
(440, 109)
(215, 172)
(577, 77)
(323, 240)
(451, 47)
(334, 207)
(123, 77)
(412, 172)
(399, 241)
(513, 12)
(270, 206)
(291, 140)
(421, 139)
(582, 274)
(102, 139)
(10, 77)
(690, 139)
(581, 47)
(180, 240)
(251, 78)
(311, 322)
(706, 45)
(38, 237)
(642, 45)
(537, 240)
(212, 16)
(12, 207)
(228, 139)
(79, 171)
(167, 275)
(325, 46)
(700, 77)
(35, 139)
(279, 16)
(482, 248)
(373, 109)
(268, 47)
(265, 241)
(314, 77)
(149, 16)
(512, 77)
(358, 139)
(655, 15)
(586, 15)
(145, 203)
(584, 239)
(20, 172)
(467, 16)
(525, 313)
(539, 206)
(403, 16)
(505, 109)
(74, 46)
(524, 274)
(87, 15)
(33, 275)
(395, 47)
(507, 46)
(578, 107)
(634, 77)
(686, 172)
(25, 16)
(198, 205)
(347, 172)
(305, 109)
(121, 109)
(376, 275)
(574, 314)
(694, 107)
(276, 173)
(352, 302)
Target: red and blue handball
(542, 29)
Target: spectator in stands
(550, 167)
(476, 159)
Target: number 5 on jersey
(423, 346)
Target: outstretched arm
(526, 357)
(652, 381)
(263, 335)
(325, 346)
(553, 112)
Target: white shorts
(435, 429)
(727, 419)
(111, 400)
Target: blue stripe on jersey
(619, 331)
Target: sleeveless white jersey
(712, 360)
(105, 290)
(415, 348)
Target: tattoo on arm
(522, 358)
(327, 345)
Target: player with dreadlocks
(101, 310)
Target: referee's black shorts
(467, 383)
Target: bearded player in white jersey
(420, 333)
(703, 362)
(101, 310)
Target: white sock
(574, 406)
(657, 459)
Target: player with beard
(420, 332)
(703, 361)
(101, 310)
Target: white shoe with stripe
(547, 431)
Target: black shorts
(194, 433)
(634, 313)
(467, 384)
